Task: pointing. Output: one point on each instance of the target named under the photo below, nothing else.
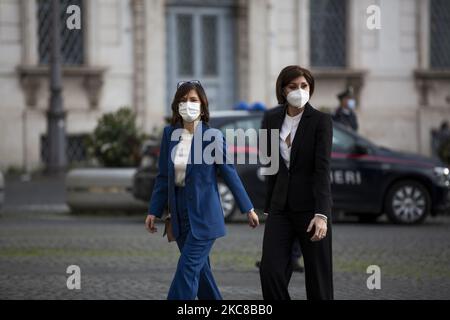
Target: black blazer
(306, 185)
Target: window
(328, 33)
(252, 123)
(440, 34)
(342, 141)
(72, 48)
(185, 45)
(200, 39)
(209, 27)
(76, 148)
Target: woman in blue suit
(187, 182)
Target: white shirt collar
(294, 118)
(186, 131)
(290, 125)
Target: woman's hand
(253, 220)
(150, 223)
(320, 228)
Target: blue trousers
(193, 277)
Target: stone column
(258, 51)
(155, 64)
(139, 59)
(29, 34)
(303, 31)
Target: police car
(367, 180)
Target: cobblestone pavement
(120, 260)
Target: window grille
(328, 33)
(72, 47)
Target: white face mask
(189, 111)
(351, 103)
(298, 98)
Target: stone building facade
(132, 53)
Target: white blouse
(290, 125)
(183, 149)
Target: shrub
(116, 141)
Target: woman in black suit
(298, 201)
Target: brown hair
(288, 74)
(183, 90)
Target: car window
(342, 141)
(244, 124)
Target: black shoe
(258, 264)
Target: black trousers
(282, 229)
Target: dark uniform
(345, 115)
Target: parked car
(367, 180)
(2, 190)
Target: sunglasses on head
(179, 84)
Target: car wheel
(407, 202)
(227, 201)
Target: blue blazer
(204, 206)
